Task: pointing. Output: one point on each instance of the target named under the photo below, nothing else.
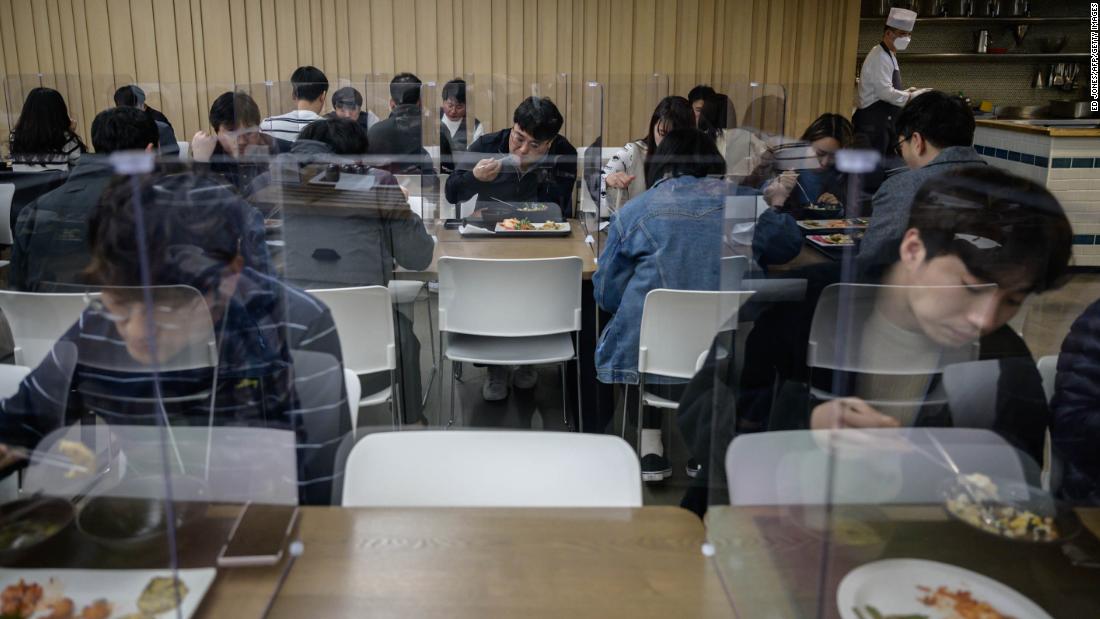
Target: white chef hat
(902, 19)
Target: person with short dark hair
(133, 96)
(452, 124)
(978, 242)
(530, 162)
(935, 133)
(116, 361)
(396, 142)
(44, 137)
(670, 236)
(347, 102)
(309, 85)
(340, 136)
(626, 168)
(235, 148)
(697, 96)
(50, 248)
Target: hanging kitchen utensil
(1038, 81)
(1059, 78)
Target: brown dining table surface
(776, 562)
(475, 562)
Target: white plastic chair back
(355, 391)
(185, 150)
(37, 320)
(492, 469)
(10, 378)
(7, 194)
(678, 325)
(509, 298)
(364, 324)
(880, 466)
(1048, 370)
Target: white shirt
(453, 125)
(876, 79)
(287, 126)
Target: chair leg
(564, 396)
(431, 338)
(577, 367)
(396, 408)
(641, 413)
(451, 421)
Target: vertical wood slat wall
(192, 50)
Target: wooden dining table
(564, 562)
(777, 561)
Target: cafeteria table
(772, 562)
(472, 562)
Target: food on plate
(99, 609)
(82, 457)
(976, 500)
(960, 604)
(517, 224)
(837, 239)
(26, 532)
(551, 225)
(20, 600)
(531, 207)
(827, 199)
(160, 595)
(61, 609)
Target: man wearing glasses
(530, 162)
(935, 133)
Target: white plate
(120, 587)
(891, 587)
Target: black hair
(718, 113)
(233, 110)
(308, 83)
(43, 125)
(123, 128)
(1007, 230)
(702, 91)
(194, 227)
(538, 117)
(455, 89)
(942, 120)
(130, 96)
(347, 98)
(405, 89)
(675, 112)
(684, 152)
(830, 125)
(345, 136)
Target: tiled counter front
(1068, 166)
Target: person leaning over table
(105, 362)
(236, 149)
(347, 102)
(671, 236)
(935, 133)
(968, 228)
(530, 162)
(626, 168)
(697, 96)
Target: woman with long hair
(44, 136)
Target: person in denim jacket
(671, 236)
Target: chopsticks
(47, 459)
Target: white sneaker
(495, 387)
(524, 377)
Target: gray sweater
(892, 201)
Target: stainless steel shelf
(1010, 20)
(972, 57)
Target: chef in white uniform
(881, 95)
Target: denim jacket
(671, 236)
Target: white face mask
(901, 43)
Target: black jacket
(550, 180)
(1075, 429)
(397, 144)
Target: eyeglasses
(901, 140)
(519, 140)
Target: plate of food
(99, 594)
(522, 226)
(834, 240)
(920, 589)
(1008, 509)
(834, 224)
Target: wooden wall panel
(186, 52)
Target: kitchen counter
(1036, 127)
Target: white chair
(37, 320)
(1048, 370)
(510, 312)
(10, 378)
(879, 466)
(185, 150)
(7, 194)
(677, 327)
(364, 324)
(491, 469)
(354, 389)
